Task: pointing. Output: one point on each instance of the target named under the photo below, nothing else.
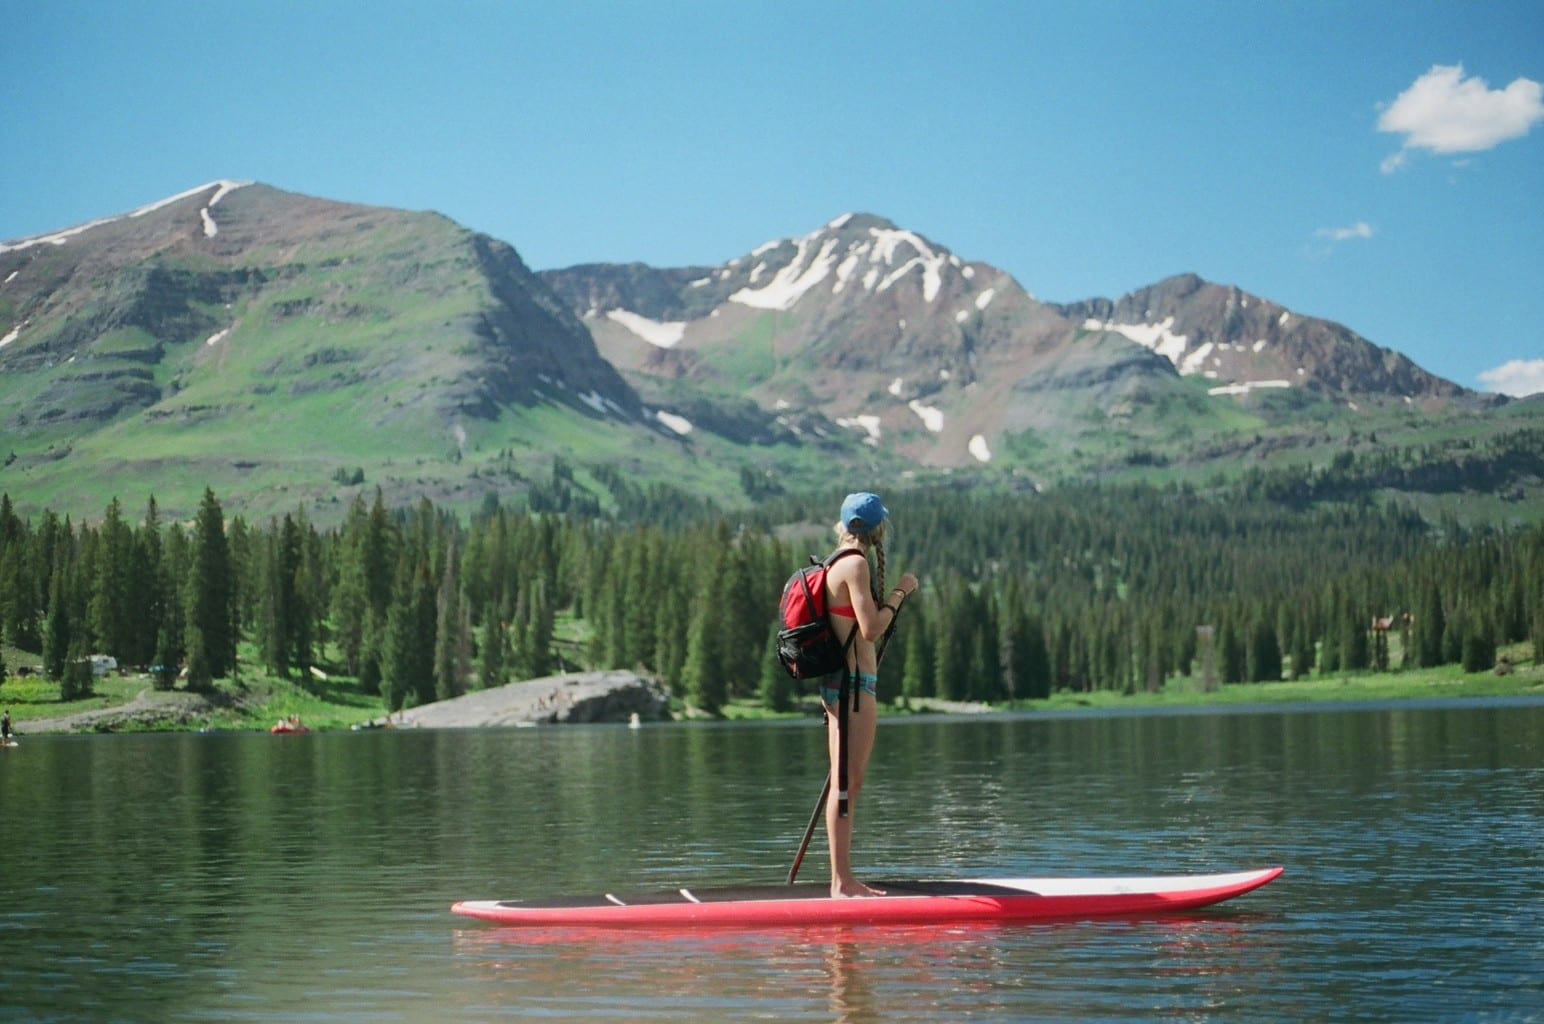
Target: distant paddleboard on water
(904, 902)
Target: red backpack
(806, 645)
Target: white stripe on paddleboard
(1121, 886)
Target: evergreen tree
(147, 608)
(1537, 632)
(449, 640)
(635, 640)
(1264, 652)
(1479, 650)
(702, 673)
(1453, 635)
(917, 674)
(776, 688)
(947, 649)
(163, 673)
(286, 615)
(211, 598)
(670, 639)
(372, 656)
(350, 598)
(76, 681)
(57, 635)
(1355, 648)
(1231, 660)
(491, 671)
(407, 675)
(173, 618)
(1429, 626)
(18, 600)
(741, 623)
(112, 599)
(199, 674)
(538, 651)
(1302, 652)
(1035, 668)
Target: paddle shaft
(825, 789)
(809, 832)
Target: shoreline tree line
(1086, 588)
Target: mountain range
(285, 349)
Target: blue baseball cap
(862, 512)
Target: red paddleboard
(904, 902)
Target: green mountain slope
(283, 349)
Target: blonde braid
(879, 559)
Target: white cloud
(1361, 229)
(1517, 378)
(1443, 112)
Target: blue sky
(1376, 163)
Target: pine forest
(1084, 588)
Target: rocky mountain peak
(1245, 343)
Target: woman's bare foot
(853, 890)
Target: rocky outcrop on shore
(578, 697)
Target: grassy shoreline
(257, 701)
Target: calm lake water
(309, 878)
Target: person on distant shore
(853, 603)
(5, 726)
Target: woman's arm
(873, 619)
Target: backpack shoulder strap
(840, 554)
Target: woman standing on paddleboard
(853, 603)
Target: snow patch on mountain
(885, 257)
(1245, 387)
(1194, 362)
(888, 243)
(15, 333)
(978, 449)
(869, 424)
(932, 417)
(222, 189)
(662, 334)
(1158, 337)
(57, 238)
(225, 189)
(595, 400)
(680, 424)
(789, 284)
